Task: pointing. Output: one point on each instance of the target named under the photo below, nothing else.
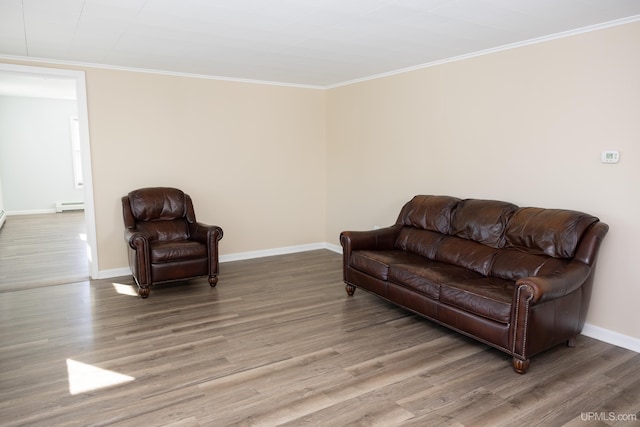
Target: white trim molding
(564, 34)
(31, 212)
(114, 272)
(490, 51)
(85, 144)
(126, 271)
(611, 337)
(271, 252)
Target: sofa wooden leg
(350, 289)
(144, 291)
(520, 366)
(571, 342)
(213, 281)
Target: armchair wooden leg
(213, 281)
(571, 342)
(350, 289)
(520, 366)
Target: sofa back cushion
(466, 253)
(491, 237)
(514, 264)
(431, 213)
(553, 232)
(483, 221)
(418, 241)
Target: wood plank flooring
(278, 342)
(44, 249)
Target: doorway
(78, 79)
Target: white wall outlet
(610, 156)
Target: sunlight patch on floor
(125, 289)
(84, 377)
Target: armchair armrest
(139, 255)
(137, 239)
(556, 285)
(205, 233)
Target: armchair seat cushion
(176, 250)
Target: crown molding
(529, 42)
(78, 64)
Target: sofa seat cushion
(425, 276)
(490, 297)
(176, 250)
(376, 263)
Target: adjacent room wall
(525, 125)
(3, 214)
(35, 154)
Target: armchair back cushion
(164, 214)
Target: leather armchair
(164, 240)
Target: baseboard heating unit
(69, 206)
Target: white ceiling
(318, 43)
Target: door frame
(85, 147)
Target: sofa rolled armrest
(380, 239)
(556, 285)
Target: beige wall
(251, 156)
(525, 125)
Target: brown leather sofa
(518, 279)
(164, 240)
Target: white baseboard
(125, 271)
(31, 212)
(596, 332)
(333, 248)
(271, 252)
(115, 272)
(611, 337)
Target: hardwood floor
(278, 342)
(44, 249)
